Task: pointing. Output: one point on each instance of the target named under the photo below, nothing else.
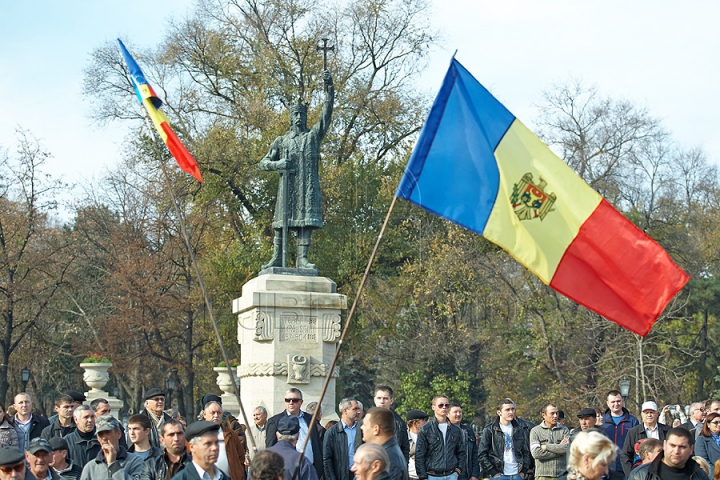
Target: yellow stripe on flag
(157, 117)
(537, 243)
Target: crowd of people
(85, 442)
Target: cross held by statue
(325, 49)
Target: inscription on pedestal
(296, 328)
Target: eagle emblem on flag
(529, 200)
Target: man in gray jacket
(548, 445)
(113, 461)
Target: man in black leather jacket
(440, 452)
(174, 459)
(494, 439)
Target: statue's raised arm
(323, 122)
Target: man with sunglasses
(293, 407)
(155, 409)
(12, 465)
(440, 452)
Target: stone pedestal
(288, 328)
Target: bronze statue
(296, 155)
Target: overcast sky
(660, 54)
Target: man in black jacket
(28, 426)
(379, 428)
(293, 405)
(504, 432)
(83, 444)
(336, 456)
(472, 469)
(63, 424)
(173, 460)
(650, 428)
(440, 453)
(674, 461)
(384, 397)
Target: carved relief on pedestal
(298, 369)
(304, 370)
(263, 327)
(330, 327)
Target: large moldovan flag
(147, 97)
(477, 165)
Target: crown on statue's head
(299, 107)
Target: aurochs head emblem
(530, 200)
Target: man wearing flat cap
(113, 462)
(231, 457)
(287, 437)
(649, 428)
(204, 448)
(39, 457)
(64, 467)
(154, 408)
(586, 418)
(12, 465)
(415, 420)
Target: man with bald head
(28, 426)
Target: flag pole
(201, 283)
(351, 314)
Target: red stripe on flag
(183, 158)
(617, 271)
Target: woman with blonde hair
(590, 454)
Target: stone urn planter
(224, 381)
(96, 375)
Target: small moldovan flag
(151, 102)
(477, 165)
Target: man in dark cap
(586, 418)
(78, 397)
(60, 464)
(154, 408)
(287, 437)
(415, 420)
(174, 459)
(83, 445)
(231, 458)
(38, 457)
(12, 465)
(204, 448)
(113, 462)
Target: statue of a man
(296, 154)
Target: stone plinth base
(288, 328)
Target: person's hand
(564, 441)
(522, 475)
(109, 452)
(496, 475)
(281, 164)
(327, 78)
(666, 408)
(543, 447)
